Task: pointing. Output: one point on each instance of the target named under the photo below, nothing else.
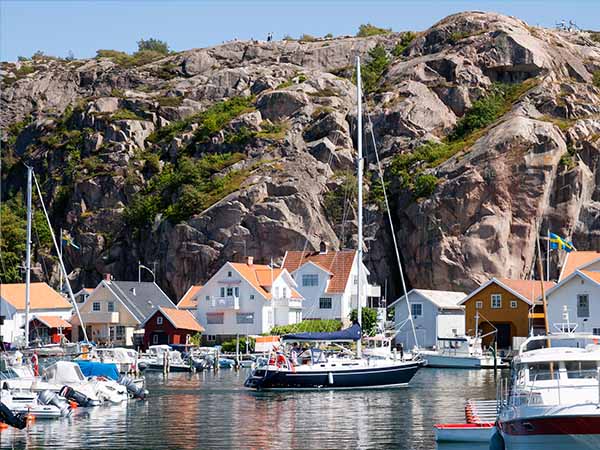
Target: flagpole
(548, 257)
(60, 283)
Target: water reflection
(214, 411)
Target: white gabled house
(327, 280)
(246, 299)
(434, 314)
(579, 294)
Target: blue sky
(57, 27)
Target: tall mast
(28, 256)
(359, 176)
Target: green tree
(153, 45)
(369, 320)
(375, 68)
(366, 30)
(12, 244)
(307, 325)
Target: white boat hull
(474, 434)
(460, 362)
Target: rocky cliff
(488, 128)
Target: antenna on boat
(359, 254)
(60, 258)
(28, 256)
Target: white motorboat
(125, 359)
(552, 400)
(464, 352)
(26, 402)
(159, 355)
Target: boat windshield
(581, 369)
(543, 371)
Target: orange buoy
(72, 404)
(30, 419)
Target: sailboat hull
(374, 377)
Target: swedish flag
(556, 242)
(68, 240)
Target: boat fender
(50, 398)
(17, 420)
(81, 399)
(36, 365)
(497, 442)
(330, 378)
(135, 391)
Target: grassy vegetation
(126, 60)
(125, 114)
(366, 30)
(410, 166)
(567, 160)
(325, 92)
(174, 101)
(335, 201)
(563, 124)
(596, 78)
(188, 188)
(306, 326)
(374, 69)
(307, 38)
(15, 129)
(458, 35)
(274, 131)
(406, 39)
(212, 120)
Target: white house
(579, 293)
(327, 280)
(434, 313)
(247, 299)
(115, 309)
(44, 301)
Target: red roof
(593, 275)
(41, 296)
(53, 321)
(180, 319)
(530, 289)
(338, 264)
(577, 260)
(189, 300)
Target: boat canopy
(348, 335)
(99, 369)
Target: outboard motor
(50, 398)
(135, 391)
(81, 399)
(17, 420)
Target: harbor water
(214, 411)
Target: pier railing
(552, 388)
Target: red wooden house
(48, 329)
(170, 326)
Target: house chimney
(250, 260)
(323, 247)
(107, 277)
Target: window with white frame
(207, 298)
(96, 306)
(222, 292)
(120, 332)
(496, 301)
(111, 306)
(155, 339)
(325, 303)
(229, 274)
(284, 294)
(478, 304)
(159, 320)
(215, 318)
(245, 318)
(416, 309)
(583, 305)
(229, 292)
(310, 279)
(596, 331)
(270, 318)
(251, 296)
(236, 291)
(211, 337)
(513, 304)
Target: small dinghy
(464, 432)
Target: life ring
(281, 360)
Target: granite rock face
(104, 135)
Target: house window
(222, 292)
(269, 318)
(120, 332)
(245, 318)
(111, 306)
(496, 301)
(596, 331)
(214, 318)
(207, 298)
(284, 295)
(583, 305)
(159, 320)
(229, 274)
(325, 303)
(251, 296)
(237, 291)
(229, 292)
(96, 306)
(478, 304)
(416, 309)
(211, 337)
(355, 280)
(513, 304)
(310, 280)
(155, 338)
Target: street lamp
(140, 267)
